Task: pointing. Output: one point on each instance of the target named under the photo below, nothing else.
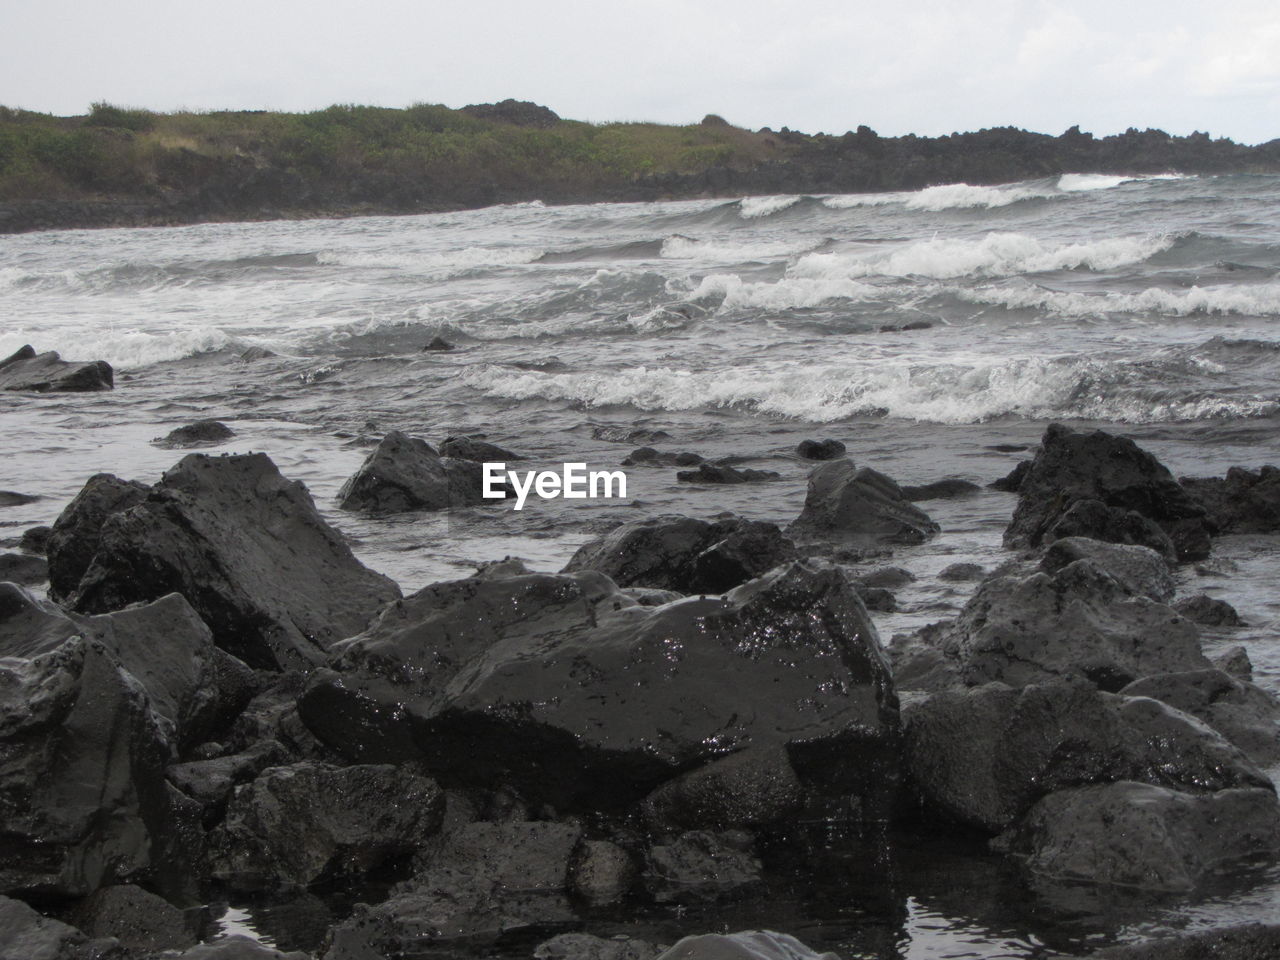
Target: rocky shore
(205, 697)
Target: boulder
(202, 433)
(248, 549)
(559, 687)
(1012, 481)
(859, 506)
(722, 473)
(73, 539)
(950, 489)
(1140, 571)
(406, 473)
(751, 789)
(649, 457)
(28, 935)
(476, 448)
(962, 572)
(684, 554)
(1209, 611)
(22, 569)
(1144, 837)
(35, 540)
(29, 372)
(827, 449)
(11, 498)
(211, 782)
(438, 344)
(1235, 662)
(1097, 521)
(702, 867)
(140, 921)
(983, 757)
(1244, 501)
(601, 873)
(1071, 466)
(300, 824)
(887, 578)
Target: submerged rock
(202, 433)
(949, 489)
(859, 506)
(751, 789)
(1244, 501)
(29, 372)
(439, 344)
(11, 498)
(684, 554)
(405, 473)
(702, 867)
(722, 473)
(248, 549)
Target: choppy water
(1144, 305)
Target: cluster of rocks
(235, 703)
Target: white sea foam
(788, 293)
(1084, 182)
(751, 208)
(438, 265)
(123, 349)
(679, 247)
(959, 196)
(1244, 299)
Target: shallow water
(1146, 306)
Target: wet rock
(140, 921)
(1144, 837)
(405, 473)
(211, 782)
(1139, 570)
(1209, 611)
(1253, 941)
(887, 577)
(74, 537)
(477, 449)
(983, 757)
(202, 433)
(458, 674)
(1244, 501)
(273, 715)
(29, 372)
(722, 473)
(248, 549)
(1114, 470)
(905, 327)
(308, 822)
(750, 789)
(626, 435)
(35, 540)
(28, 935)
(820, 449)
(438, 344)
(702, 867)
(1012, 482)
(1078, 620)
(584, 946)
(949, 489)
(1235, 662)
(649, 457)
(1244, 714)
(506, 567)
(1094, 520)
(962, 572)
(10, 498)
(238, 947)
(684, 554)
(746, 945)
(23, 569)
(877, 598)
(859, 506)
(256, 353)
(602, 873)
(651, 597)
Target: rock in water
(560, 687)
(1252, 941)
(820, 449)
(684, 554)
(202, 433)
(721, 473)
(747, 945)
(476, 448)
(1244, 501)
(141, 921)
(949, 489)
(406, 473)
(1071, 467)
(1141, 571)
(20, 568)
(860, 507)
(73, 539)
(249, 551)
(30, 372)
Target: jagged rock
(820, 449)
(248, 549)
(438, 344)
(23, 569)
(1209, 611)
(11, 498)
(1235, 662)
(29, 372)
(310, 821)
(1078, 620)
(982, 757)
(1253, 941)
(210, 782)
(962, 572)
(1144, 837)
(702, 867)
(405, 473)
(602, 873)
(74, 537)
(476, 448)
(684, 554)
(28, 935)
(273, 715)
(1244, 501)
(649, 457)
(202, 433)
(459, 675)
(750, 789)
(584, 946)
(722, 473)
(949, 489)
(859, 506)
(35, 540)
(877, 598)
(1071, 466)
(1012, 482)
(1139, 570)
(1245, 714)
(139, 920)
(888, 578)
(746, 945)
(1094, 520)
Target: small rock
(256, 353)
(35, 540)
(477, 449)
(602, 873)
(949, 489)
(962, 572)
(10, 498)
(24, 569)
(141, 921)
(889, 578)
(584, 946)
(202, 433)
(860, 507)
(649, 457)
(719, 473)
(827, 449)
(1209, 611)
(438, 343)
(701, 867)
(625, 435)
(1235, 662)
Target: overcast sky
(912, 66)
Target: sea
(935, 333)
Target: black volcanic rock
(73, 539)
(702, 867)
(827, 449)
(26, 934)
(1097, 521)
(23, 569)
(1244, 501)
(202, 433)
(406, 473)
(475, 448)
(861, 507)
(11, 498)
(1141, 571)
(248, 549)
(722, 473)
(684, 554)
(1209, 611)
(949, 489)
(141, 921)
(438, 344)
(1071, 467)
(649, 457)
(29, 372)
(561, 688)
(1252, 941)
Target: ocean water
(936, 333)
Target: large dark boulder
(825, 449)
(562, 688)
(29, 372)
(860, 507)
(406, 473)
(1094, 520)
(248, 550)
(1070, 467)
(684, 554)
(1144, 837)
(73, 539)
(28, 935)
(308, 822)
(982, 757)
(1244, 501)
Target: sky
(911, 66)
